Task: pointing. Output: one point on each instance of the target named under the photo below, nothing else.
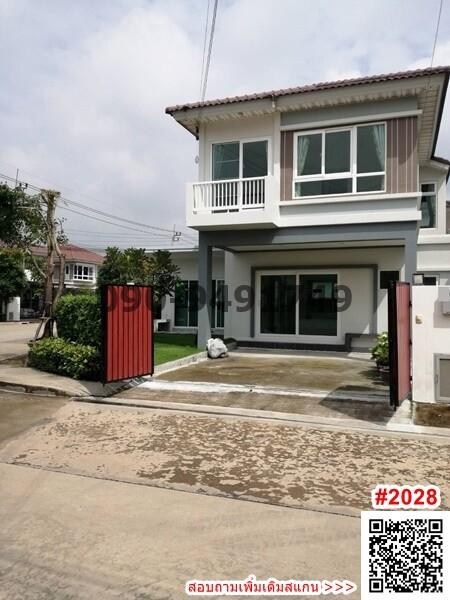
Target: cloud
(85, 84)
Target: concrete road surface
(14, 338)
(76, 538)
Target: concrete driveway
(312, 371)
(310, 385)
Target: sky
(84, 85)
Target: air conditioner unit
(442, 377)
(444, 298)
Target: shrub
(380, 352)
(78, 319)
(56, 355)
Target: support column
(205, 289)
(410, 254)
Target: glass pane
(254, 159)
(370, 148)
(317, 310)
(309, 154)
(323, 187)
(193, 303)
(278, 304)
(428, 208)
(427, 187)
(225, 161)
(372, 183)
(181, 304)
(337, 152)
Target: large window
(237, 160)
(186, 303)
(340, 161)
(83, 272)
(428, 206)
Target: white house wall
(357, 319)
(229, 131)
(430, 336)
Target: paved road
(83, 515)
(19, 412)
(76, 538)
(259, 460)
(14, 338)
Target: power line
(436, 33)
(102, 213)
(208, 61)
(101, 220)
(204, 46)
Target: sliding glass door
(317, 305)
(278, 298)
(298, 304)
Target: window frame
(241, 143)
(295, 337)
(188, 306)
(424, 194)
(76, 277)
(352, 174)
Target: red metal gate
(127, 327)
(399, 326)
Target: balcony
(232, 203)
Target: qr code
(405, 552)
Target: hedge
(78, 319)
(56, 355)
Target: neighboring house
(81, 267)
(317, 191)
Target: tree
(134, 265)
(28, 221)
(12, 275)
(164, 274)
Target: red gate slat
(399, 321)
(127, 323)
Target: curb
(262, 415)
(225, 388)
(45, 390)
(180, 362)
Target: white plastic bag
(216, 348)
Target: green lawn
(171, 346)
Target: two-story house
(80, 272)
(319, 196)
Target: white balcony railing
(229, 195)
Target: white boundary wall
(430, 336)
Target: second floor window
(428, 205)
(83, 272)
(340, 161)
(238, 160)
